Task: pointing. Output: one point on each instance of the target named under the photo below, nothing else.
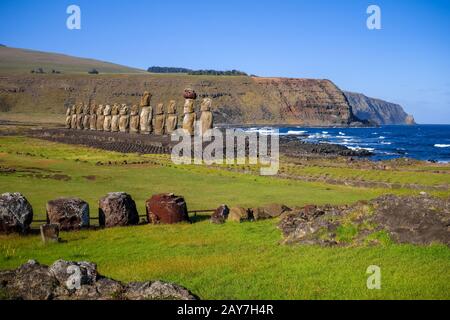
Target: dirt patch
(411, 219)
(90, 178)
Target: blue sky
(407, 61)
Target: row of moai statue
(141, 119)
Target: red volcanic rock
(166, 208)
(117, 209)
(68, 213)
(189, 94)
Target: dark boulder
(117, 209)
(220, 215)
(166, 208)
(65, 280)
(68, 213)
(16, 213)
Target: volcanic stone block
(49, 233)
(166, 208)
(220, 215)
(239, 214)
(68, 213)
(16, 213)
(117, 209)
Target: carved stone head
(188, 106)
(206, 105)
(100, 110)
(115, 109)
(145, 100)
(134, 110)
(124, 110)
(172, 108)
(107, 110)
(160, 108)
(79, 108)
(86, 109)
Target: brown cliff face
(235, 100)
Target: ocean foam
(442, 145)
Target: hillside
(377, 110)
(13, 60)
(235, 99)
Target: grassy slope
(227, 261)
(14, 60)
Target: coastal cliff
(377, 110)
(236, 100)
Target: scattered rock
(166, 208)
(220, 215)
(269, 211)
(117, 209)
(68, 213)
(407, 219)
(16, 213)
(239, 214)
(33, 281)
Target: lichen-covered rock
(68, 280)
(68, 213)
(239, 214)
(16, 213)
(71, 274)
(220, 215)
(166, 208)
(157, 290)
(117, 209)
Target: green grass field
(230, 261)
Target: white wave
(387, 143)
(442, 145)
(360, 148)
(341, 133)
(294, 132)
(381, 137)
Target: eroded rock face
(172, 118)
(93, 117)
(206, 118)
(69, 118)
(107, 118)
(117, 209)
(86, 117)
(160, 120)
(124, 119)
(166, 208)
(16, 213)
(68, 213)
(100, 118)
(189, 117)
(68, 280)
(220, 215)
(145, 120)
(269, 211)
(115, 118)
(134, 119)
(408, 219)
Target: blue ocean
(422, 142)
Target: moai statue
(93, 118)
(73, 123)
(69, 118)
(124, 118)
(146, 115)
(87, 116)
(108, 118)
(206, 118)
(189, 114)
(134, 119)
(160, 120)
(80, 116)
(115, 118)
(100, 118)
(172, 118)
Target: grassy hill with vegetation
(14, 60)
